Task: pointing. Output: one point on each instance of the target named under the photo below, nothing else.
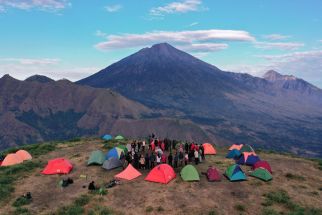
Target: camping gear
(246, 148)
(119, 137)
(189, 173)
(234, 153)
(237, 146)
(262, 164)
(235, 173)
(115, 152)
(262, 174)
(248, 158)
(129, 173)
(162, 173)
(24, 155)
(58, 166)
(11, 159)
(112, 183)
(107, 137)
(112, 163)
(97, 157)
(209, 149)
(213, 174)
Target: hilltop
(295, 186)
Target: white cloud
(203, 47)
(194, 23)
(188, 39)
(276, 37)
(177, 7)
(30, 61)
(113, 8)
(45, 5)
(99, 33)
(279, 45)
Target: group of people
(148, 153)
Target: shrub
(82, 200)
(239, 207)
(213, 212)
(21, 201)
(269, 211)
(21, 211)
(295, 177)
(149, 209)
(280, 197)
(160, 208)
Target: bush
(21, 201)
(21, 211)
(149, 209)
(269, 211)
(82, 200)
(213, 212)
(240, 207)
(160, 208)
(280, 197)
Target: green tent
(262, 174)
(97, 157)
(119, 137)
(123, 148)
(189, 173)
(235, 173)
(246, 148)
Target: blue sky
(73, 39)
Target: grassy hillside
(296, 187)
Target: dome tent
(58, 166)
(189, 173)
(129, 173)
(162, 173)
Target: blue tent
(235, 173)
(107, 137)
(233, 154)
(250, 160)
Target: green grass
(21, 202)
(9, 175)
(294, 177)
(76, 208)
(100, 210)
(213, 212)
(281, 197)
(21, 211)
(34, 149)
(149, 209)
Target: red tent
(57, 166)
(209, 149)
(213, 174)
(162, 173)
(262, 164)
(128, 174)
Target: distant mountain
(275, 112)
(35, 111)
(39, 78)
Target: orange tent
(11, 159)
(236, 146)
(129, 173)
(162, 173)
(209, 149)
(24, 155)
(58, 166)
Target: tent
(24, 155)
(237, 146)
(162, 173)
(11, 159)
(209, 149)
(262, 174)
(234, 153)
(189, 173)
(119, 137)
(114, 152)
(246, 148)
(248, 158)
(107, 137)
(129, 173)
(124, 148)
(213, 174)
(97, 157)
(235, 173)
(112, 163)
(262, 164)
(58, 166)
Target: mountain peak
(39, 78)
(272, 75)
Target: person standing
(196, 155)
(158, 159)
(152, 160)
(176, 158)
(170, 158)
(147, 161)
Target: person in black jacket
(170, 158)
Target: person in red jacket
(162, 146)
(163, 158)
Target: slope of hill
(276, 112)
(295, 188)
(35, 111)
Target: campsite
(296, 180)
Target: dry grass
(178, 197)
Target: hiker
(196, 155)
(163, 158)
(152, 159)
(147, 161)
(186, 147)
(27, 196)
(176, 158)
(91, 186)
(186, 158)
(200, 158)
(202, 152)
(143, 145)
(136, 161)
(142, 162)
(158, 159)
(170, 158)
(173, 144)
(70, 181)
(181, 158)
(162, 146)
